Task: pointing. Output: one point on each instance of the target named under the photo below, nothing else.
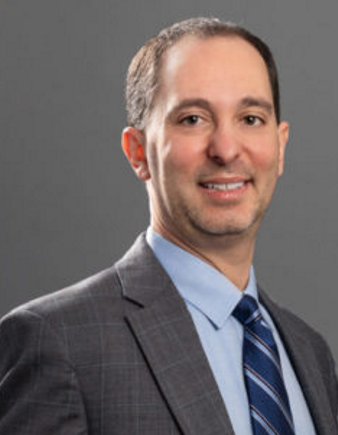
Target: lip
(223, 194)
(224, 180)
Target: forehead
(221, 67)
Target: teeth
(229, 186)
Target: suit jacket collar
(142, 276)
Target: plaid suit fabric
(81, 370)
(118, 354)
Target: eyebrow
(204, 104)
(256, 102)
(198, 102)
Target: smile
(223, 187)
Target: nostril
(218, 160)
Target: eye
(253, 120)
(191, 120)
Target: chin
(226, 226)
(221, 231)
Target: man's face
(213, 148)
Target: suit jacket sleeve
(39, 391)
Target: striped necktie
(269, 404)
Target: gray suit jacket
(118, 354)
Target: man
(160, 343)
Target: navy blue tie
(268, 400)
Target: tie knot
(247, 311)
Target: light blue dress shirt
(210, 298)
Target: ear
(283, 137)
(133, 144)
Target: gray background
(70, 205)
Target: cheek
(164, 163)
(179, 157)
(265, 156)
(152, 159)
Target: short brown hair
(143, 74)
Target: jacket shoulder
(300, 327)
(286, 318)
(77, 303)
(298, 335)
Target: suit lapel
(303, 359)
(169, 341)
(167, 336)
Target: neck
(232, 255)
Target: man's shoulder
(289, 323)
(79, 302)
(93, 296)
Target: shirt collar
(200, 284)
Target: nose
(224, 145)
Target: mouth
(226, 190)
(223, 186)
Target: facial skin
(212, 148)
